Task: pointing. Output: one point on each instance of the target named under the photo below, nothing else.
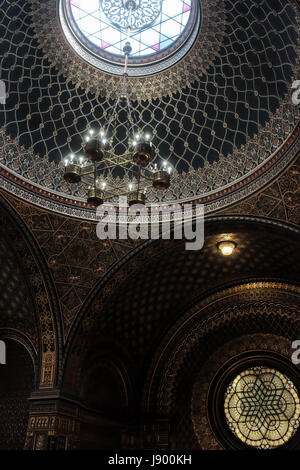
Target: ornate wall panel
(17, 305)
(77, 259)
(279, 201)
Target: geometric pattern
(140, 306)
(280, 201)
(154, 25)
(262, 408)
(17, 306)
(77, 259)
(214, 132)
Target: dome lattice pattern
(213, 132)
(262, 408)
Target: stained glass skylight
(262, 408)
(155, 28)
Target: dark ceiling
(168, 281)
(17, 306)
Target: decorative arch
(9, 333)
(48, 315)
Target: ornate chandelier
(100, 157)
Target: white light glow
(227, 248)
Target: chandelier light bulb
(91, 132)
(72, 157)
(66, 161)
(147, 136)
(169, 170)
(130, 186)
(80, 160)
(87, 138)
(104, 141)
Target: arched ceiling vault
(29, 309)
(146, 296)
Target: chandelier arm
(88, 182)
(88, 173)
(121, 165)
(125, 193)
(116, 162)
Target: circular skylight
(156, 30)
(262, 408)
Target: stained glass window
(154, 26)
(262, 408)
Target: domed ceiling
(213, 85)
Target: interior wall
(16, 385)
(104, 406)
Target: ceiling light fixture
(101, 157)
(227, 247)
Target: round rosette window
(160, 32)
(262, 408)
